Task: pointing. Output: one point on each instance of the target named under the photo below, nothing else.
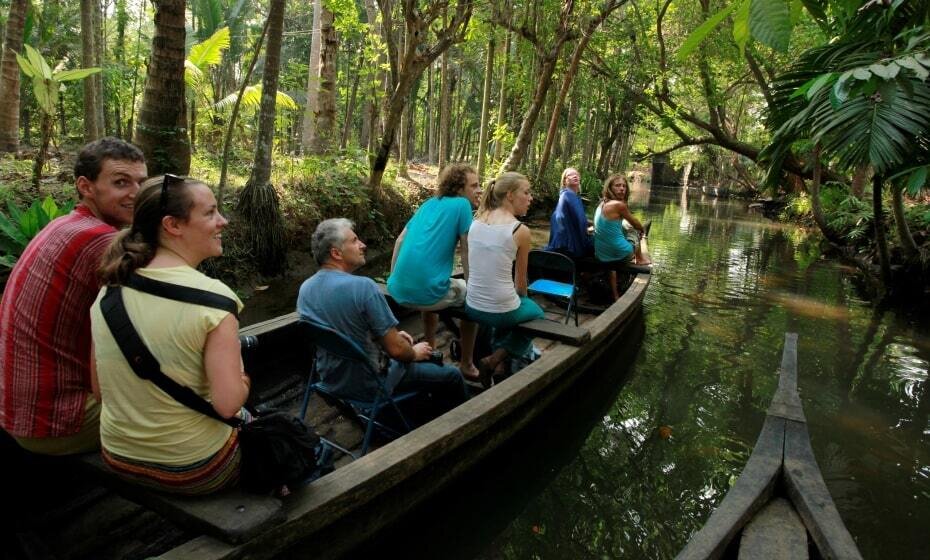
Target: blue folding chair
(367, 412)
(543, 265)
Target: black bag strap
(143, 363)
(185, 294)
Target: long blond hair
(498, 189)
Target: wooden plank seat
(232, 515)
(537, 328)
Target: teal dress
(610, 242)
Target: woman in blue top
(568, 226)
(424, 252)
(613, 241)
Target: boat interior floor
(104, 514)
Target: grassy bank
(310, 190)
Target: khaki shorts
(455, 297)
(87, 439)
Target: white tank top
(491, 252)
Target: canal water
(636, 456)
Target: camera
(248, 341)
(435, 357)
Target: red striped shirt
(45, 327)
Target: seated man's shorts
(455, 297)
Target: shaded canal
(636, 456)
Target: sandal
(486, 372)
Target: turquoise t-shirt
(610, 243)
(421, 273)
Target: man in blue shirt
(568, 227)
(424, 252)
(354, 306)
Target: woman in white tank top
(495, 297)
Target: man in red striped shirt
(46, 402)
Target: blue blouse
(568, 227)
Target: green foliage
(204, 55)
(17, 230)
(770, 22)
(252, 98)
(45, 83)
(698, 35)
(852, 218)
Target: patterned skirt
(218, 471)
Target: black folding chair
(344, 347)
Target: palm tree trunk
(161, 131)
(9, 77)
(258, 203)
(879, 221)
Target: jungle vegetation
(296, 109)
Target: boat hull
(349, 505)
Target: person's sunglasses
(169, 180)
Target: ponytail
(128, 251)
(498, 189)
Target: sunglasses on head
(169, 180)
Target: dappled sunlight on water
(726, 286)
(645, 466)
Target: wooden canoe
(342, 509)
(779, 506)
(347, 506)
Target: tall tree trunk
(908, 245)
(103, 120)
(502, 97)
(568, 147)
(130, 123)
(325, 130)
(528, 126)
(9, 77)
(816, 205)
(88, 60)
(162, 129)
(431, 142)
(350, 103)
(313, 79)
(879, 221)
(231, 125)
(485, 108)
(445, 130)
(258, 203)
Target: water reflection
(728, 284)
(726, 287)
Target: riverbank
(310, 189)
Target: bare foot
(470, 373)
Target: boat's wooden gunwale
(782, 456)
(351, 487)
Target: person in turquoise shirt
(421, 266)
(618, 235)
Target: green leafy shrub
(22, 225)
